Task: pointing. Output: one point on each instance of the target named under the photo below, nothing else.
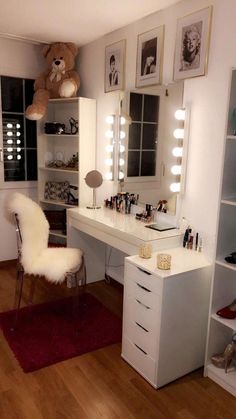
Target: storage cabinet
(223, 292)
(56, 150)
(165, 315)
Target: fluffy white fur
(37, 258)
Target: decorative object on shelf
(149, 57)
(56, 191)
(163, 261)
(71, 200)
(58, 163)
(73, 162)
(60, 80)
(231, 258)
(228, 312)
(114, 66)
(145, 251)
(224, 360)
(73, 126)
(192, 43)
(162, 206)
(54, 128)
(94, 179)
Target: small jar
(163, 261)
(145, 251)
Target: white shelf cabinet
(223, 291)
(165, 315)
(65, 145)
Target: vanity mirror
(150, 141)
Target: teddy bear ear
(72, 47)
(45, 50)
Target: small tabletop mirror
(93, 179)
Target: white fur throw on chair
(36, 257)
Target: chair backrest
(34, 227)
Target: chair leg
(76, 302)
(18, 295)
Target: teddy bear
(60, 80)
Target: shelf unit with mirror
(221, 330)
(64, 159)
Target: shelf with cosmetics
(220, 359)
(66, 140)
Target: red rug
(46, 332)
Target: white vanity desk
(91, 230)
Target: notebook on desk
(160, 226)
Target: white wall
(24, 60)
(207, 95)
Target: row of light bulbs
(177, 151)
(116, 135)
(10, 141)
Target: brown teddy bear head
(60, 56)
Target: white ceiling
(80, 21)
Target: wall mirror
(150, 141)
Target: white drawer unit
(165, 315)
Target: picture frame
(115, 66)
(149, 57)
(192, 44)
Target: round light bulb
(122, 135)
(9, 125)
(121, 175)
(17, 125)
(175, 187)
(18, 141)
(109, 148)
(9, 133)
(18, 134)
(180, 114)
(109, 133)
(10, 157)
(176, 170)
(109, 162)
(108, 176)
(18, 157)
(121, 162)
(18, 149)
(122, 148)
(9, 141)
(110, 119)
(9, 149)
(177, 151)
(122, 120)
(178, 133)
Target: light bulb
(175, 187)
(110, 119)
(109, 162)
(18, 141)
(18, 134)
(108, 176)
(180, 114)
(109, 133)
(122, 135)
(121, 162)
(177, 151)
(122, 120)
(18, 149)
(9, 125)
(10, 157)
(18, 157)
(9, 133)
(17, 125)
(109, 148)
(176, 170)
(9, 141)
(121, 175)
(122, 148)
(9, 149)
(178, 133)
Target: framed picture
(192, 44)
(149, 57)
(114, 66)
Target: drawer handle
(143, 288)
(145, 353)
(139, 325)
(148, 308)
(142, 270)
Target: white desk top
(123, 226)
(182, 260)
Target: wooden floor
(98, 384)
